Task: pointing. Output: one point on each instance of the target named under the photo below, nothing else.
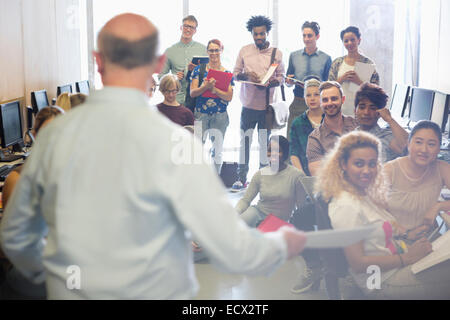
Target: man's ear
(100, 63)
(161, 60)
(318, 36)
(343, 99)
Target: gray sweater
(278, 193)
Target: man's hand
(295, 240)
(253, 77)
(385, 114)
(191, 66)
(289, 81)
(273, 83)
(180, 75)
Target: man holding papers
(212, 100)
(179, 56)
(252, 64)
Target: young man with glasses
(179, 56)
(251, 65)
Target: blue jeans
(249, 119)
(215, 125)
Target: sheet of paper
(440, 253)
(301, 83)
(266, 77)
(364, 71)
(337, 238)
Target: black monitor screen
(399, 101)
(82, 87)
(61, 89)
(421, 104)
(440, 112)
(10, 123)
(39, 100)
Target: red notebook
(272, 223)
(223, 80)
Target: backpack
(189, 101)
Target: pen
(435, 231)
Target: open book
(440, 253)
(266, 77)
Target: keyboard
(11, 157)
(5, 170)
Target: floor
(217, 285)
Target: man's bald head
(128, 40)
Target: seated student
(351, 178)
(67, 101)
(416, 180)
(169, 87)
(278, 185)
(304, 124)
(370, 105)
(16, 286)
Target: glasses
(213, 50)
(172, 91)
(186, 26)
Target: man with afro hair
(251, 65)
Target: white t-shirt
(348, 211)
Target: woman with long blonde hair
(351, 180)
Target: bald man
(103, 210)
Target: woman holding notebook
(352, 182)
(212, 101)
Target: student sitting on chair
(170, 107)
(278, 185)
(351, 178)
(416, 180)
(16, 286)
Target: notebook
(440, 253)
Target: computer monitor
(421, 105)
(65, 88)
(82, 87)
(39, 100)
(10, 124)
(399, 101)
(439, 114)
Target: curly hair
(258, 21)
(374, 93)
(332, 181)
(312, 25)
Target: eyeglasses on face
(171, 91)
(186, 26)
(213, 50)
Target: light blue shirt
(178, 58)
(105, 184)
(302, 65)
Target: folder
(440, 253)
(223, 80)
(272, 223)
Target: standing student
(307, 62)
(212, 112)
(251, 65)
(179, 56)
(120, 222)
(343, 68)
